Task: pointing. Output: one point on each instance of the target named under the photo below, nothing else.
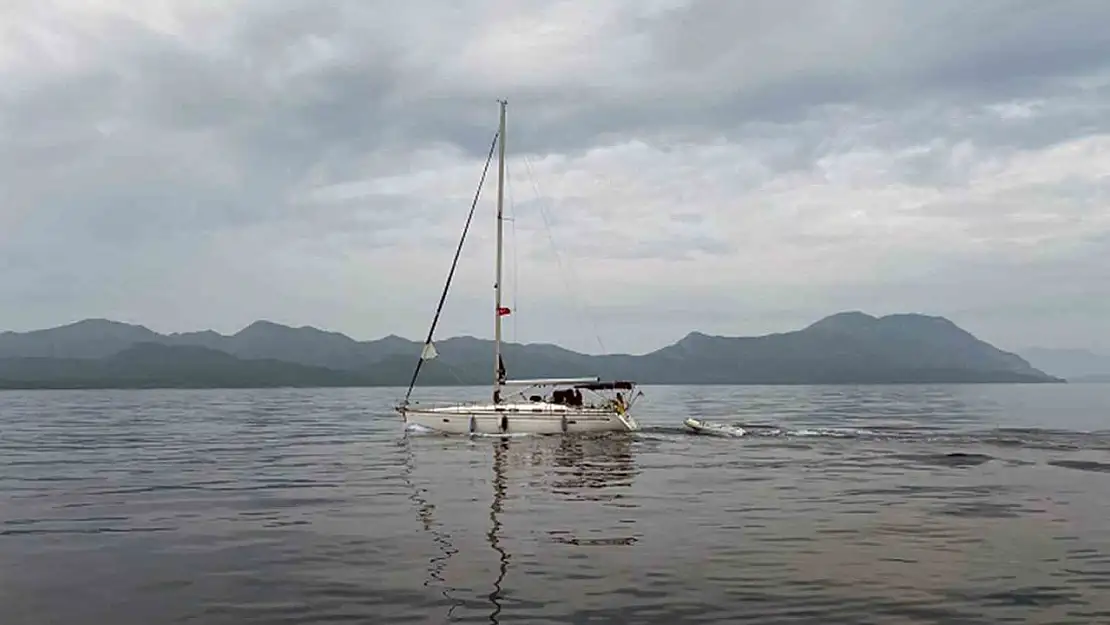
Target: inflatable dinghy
(712, 429)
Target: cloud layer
(731, 167)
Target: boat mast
(498, 368)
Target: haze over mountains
(1076, 365)
(846, 348)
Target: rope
(512, 237)
(558, 258)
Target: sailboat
(532, 406)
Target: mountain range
(845, 348)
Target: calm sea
(891, 505)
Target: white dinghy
(713, 429)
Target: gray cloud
(725, 166)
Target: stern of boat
(629, 422)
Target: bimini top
(551, 381)
(587, 384)
(619, 385)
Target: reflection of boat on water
(587, 468)
(438, 563)
(593, 468)
(596, 469)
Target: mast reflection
(500, 450)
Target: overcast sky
(734, 167)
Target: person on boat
(618, 403)
(564, 397)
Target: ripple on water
(839, 505)
(1082, 465)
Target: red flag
(501, 312)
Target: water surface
(946, 504)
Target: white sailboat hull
(508, 419)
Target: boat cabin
(571, 395)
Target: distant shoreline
(7, 386)
(850, 348)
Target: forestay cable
(451, 274)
